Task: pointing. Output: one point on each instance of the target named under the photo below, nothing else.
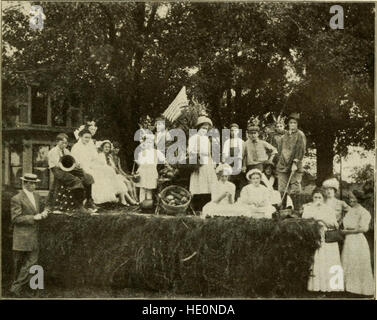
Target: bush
(229, 257)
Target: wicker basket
(178, 209)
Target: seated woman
(222, 193)
(106, 186)
(356, 260)
(270, 182)
(327, 256)
(104, 152)
(255, 198)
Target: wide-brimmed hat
(224, 169)
(203, 119)
(251, 172)
(294, 115)
(30, 177)
(331, 183)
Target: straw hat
(30, 177)
(203, 119)
(251, 172)
(331, 183)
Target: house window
(40, 165)
(15, 162)
(23, 105)
(59, 113)
(76, 119)
(39, 105)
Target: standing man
(291, 153)
(25, 217)
(76, 179)
(256, 151)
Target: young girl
(222, 193)
(327, 256)
(104, 152)
(356, 261)
(147, 159)
(255, 198)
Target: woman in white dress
(105, 187)
(356, 261)
(104, 152)
(327, 257)
(255, 198)
(222, 194)
(201, 180)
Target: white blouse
(86, 155)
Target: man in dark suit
(25, 217)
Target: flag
(174, 110)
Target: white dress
(105, 186)
(147, 160)
(327, 258)
(202, 179)
(224, 207)
(358, 276)
(255, 201)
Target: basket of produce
(175, 199)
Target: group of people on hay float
(91, 174)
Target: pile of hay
(223, 256)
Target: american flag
(174, 110)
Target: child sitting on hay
(222, 193)
(255, 199)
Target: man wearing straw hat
(290, 154)
(25, 215)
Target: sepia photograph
(188, 150)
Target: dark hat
(268, 163)
(294, 115)
(30, 177)
(253, 128)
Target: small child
(147, 159)
(222, 193)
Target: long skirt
(326, 270)
(358, 276)
(202, 179)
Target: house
(29, 132)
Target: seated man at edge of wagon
(76, 180)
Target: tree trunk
(325, 156)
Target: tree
(123, 61)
